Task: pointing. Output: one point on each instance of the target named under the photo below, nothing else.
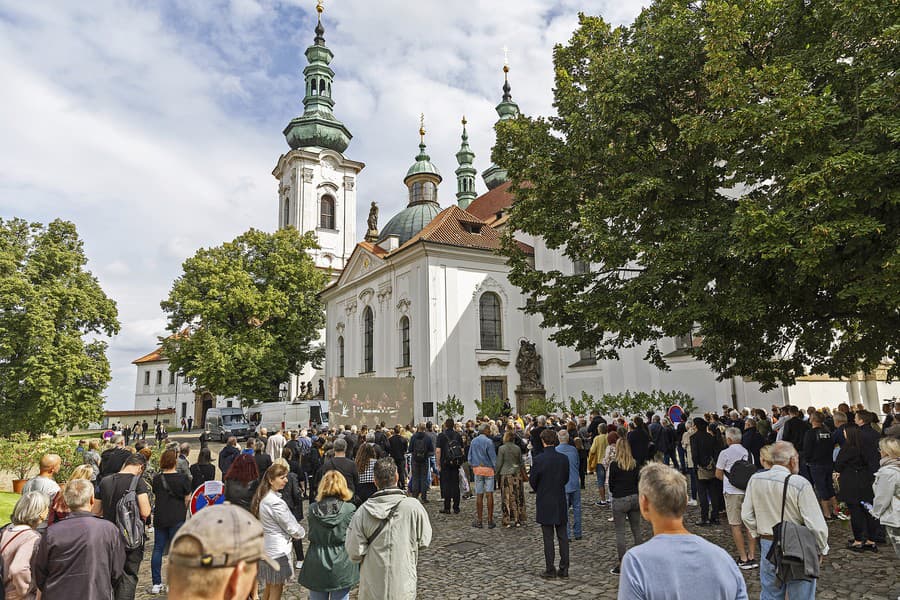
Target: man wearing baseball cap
(214, 555)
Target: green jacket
(509, 459)
(327, 567)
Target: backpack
(455, 455)
(128, 517)
(420, 450)
(741, 472)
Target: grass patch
(7, 503)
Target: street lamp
(157, 410)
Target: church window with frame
(490, 322)
(287, 211)
(341, 356)
(580, 267)
(404, 342)
(327, 213)
(368, 340)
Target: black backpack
(455, 454)
(741, 472)
(128, 517)
(420, 450)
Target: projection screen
(371, 400)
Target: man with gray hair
(734, 496)
(693, 567)
(573, 487)
(385, 536)
(183, 465)
(81, 554)
(535, 435)
(340, 463)
(762, 510)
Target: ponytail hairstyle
(265, 486)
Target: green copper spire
(423, 164)
(317, 126)
(507, 109)
(465, 174)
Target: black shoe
(702, 524)
(615, 571)
(444, 511)
(577, 537)
(563, 573)
(456, 511)
(551, 574)
(491, 524)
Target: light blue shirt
(482, 452)
(680, 567)
(570, 452)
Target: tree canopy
(729, 169)
(245, 315)
(53, 366)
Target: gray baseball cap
(226, 534)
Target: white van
(222, 423)
(288, 415)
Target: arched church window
(404, 342)
(326, 220)
(417, 192)
(312, 87)
(321, 87)
(329, 90)
(341, 356)
(368, 340)
(490, 323)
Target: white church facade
(427, 297)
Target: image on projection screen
(371, 400)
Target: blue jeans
(162, 537)
(573, 499)
(601, 477)
(682, 455)
(420, 481)
(432, 467)
(796, 590)
(692, 472)
(343, 594)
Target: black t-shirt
(112, 460)
(200, 474)
(170, 508)
(113, 487)
(443, 444)
(345, 467)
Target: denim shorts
(484, 484)
(601, 476)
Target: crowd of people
(777, 478)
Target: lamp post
(157, 410)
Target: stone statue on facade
(372, 222)
(528, 365)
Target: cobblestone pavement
(463, 562)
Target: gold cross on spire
(320, 8)
(422, 128)
(505, 59)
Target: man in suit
(549, 476)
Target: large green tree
(53, 367)
(246, 314)
(729, 168)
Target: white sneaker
(298, 564)
(156, 589)
(692, 503)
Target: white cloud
(155, 127)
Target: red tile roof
(373, 248)
(486, 206)
(456, 227)
(157, 354)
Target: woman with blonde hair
(59, 510)
(886, 505)
(279, 529)
(17, 545)
(328, 573)
(623, 487)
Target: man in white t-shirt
(45, 482)
(734, 497)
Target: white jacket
(279, 526)
(886, 506)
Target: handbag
(791, 563)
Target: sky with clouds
(154, 126)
